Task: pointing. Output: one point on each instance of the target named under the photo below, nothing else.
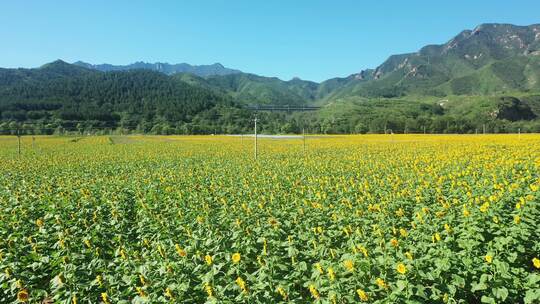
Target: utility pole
(519, 133)
(484, 128)
(18, 142)
(33, 142)
(255, 137)
(286, 108)
(304, 139)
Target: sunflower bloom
(362, 295)
(349, 265)
(99, 280)
(282, 292)
(363, 250)
(331, 274)
(319, 268)
(380, 282)
(235, 258)
(403, 232)
(488, 258)
(208, 290)
(484, 207)
(447, 228)
(466, 212)
(242, 284)
(401, 268)
(23, 296)
(142, 279)
(181, 252)
(105, 298)
(168, 293)
(208, 259)
(536, 262)
(141, 292)
(314, 292)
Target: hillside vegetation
(482, 79)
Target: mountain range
(166, 68)
(492, 58)
(490, 74)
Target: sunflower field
(370, 218)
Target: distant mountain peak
(61, 68)
(57, 62)
(491, 57)
(60, 64)
(166, 68)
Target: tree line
(64, 99)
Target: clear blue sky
(311, 39)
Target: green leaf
(500, 293)
(401, 285)
(478, 286)
(533, 279)
(532, 296)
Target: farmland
(186, 219)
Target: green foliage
(61, 93)
(372, 218)
(494, 58)
(473, 71)
(253, 89)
